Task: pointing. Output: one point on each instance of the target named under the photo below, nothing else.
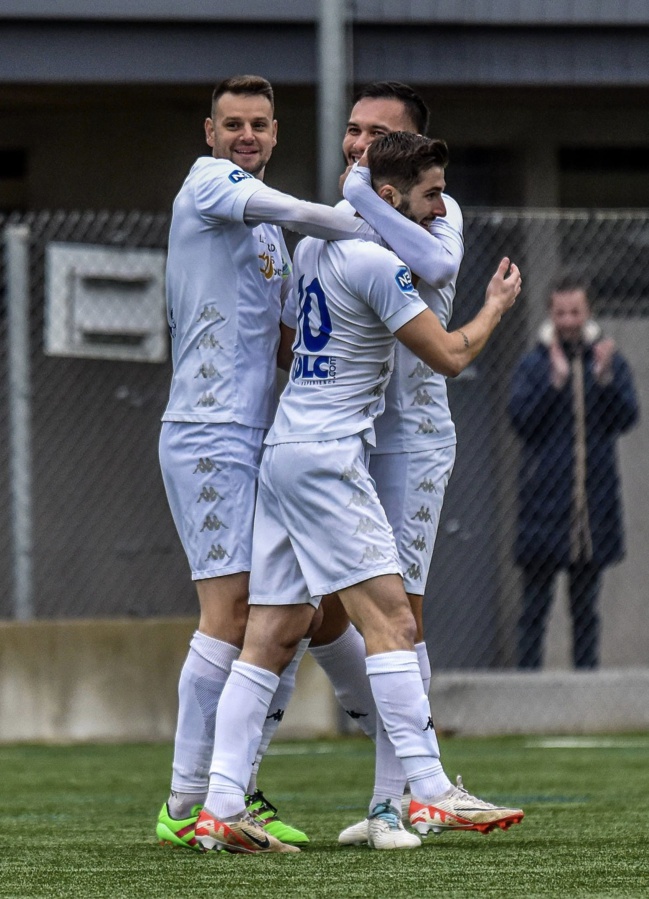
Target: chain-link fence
(93, 519)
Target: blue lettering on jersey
(317, 335)
(238, 175)
(404, 279)
(308, 368)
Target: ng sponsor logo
(404, 279)
(238, 175)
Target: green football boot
(178, 832)
(266, 815)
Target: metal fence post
(20, 450)
(333, 77)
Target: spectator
(571, 398)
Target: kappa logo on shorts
(365, 526)
(208, 370)
(419, 543)
(209, 494)
(422, 398)
(378, 390)
(421, 370)
(372, 554)
(359, 499)
(427, 486)
(209, 342)
(423, 514)
(427, 427)
(350, 474)
(210, 314)
(213, 523)
(238, 175)
(404, 279)
(206, 399)
(385, 370)
(414, 572)
(207, 466)
(217, 554)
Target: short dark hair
(567, 281)
(244, 84)
(396, 90)
(401, 157)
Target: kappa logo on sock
(276, 716)
(429, 724)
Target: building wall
(126, 147)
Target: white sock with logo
(202, 679)
(389, 778)
(240, 720)
(343, 661)
(403, 706)
(277, 708)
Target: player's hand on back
(504, 287)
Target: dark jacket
(543, 418)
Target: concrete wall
(128, 147)
(115, 680)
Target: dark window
(13, 164)
(604, 159)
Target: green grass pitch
(79, 821)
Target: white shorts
(411, 487)
(319, 525)
(210, 476)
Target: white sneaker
(355, 835)
(386, 830)
(458, 810)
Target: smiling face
(371, 118)
(424, 202)
(569, 311)
(242, 129)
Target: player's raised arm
(313, 219)
(450, 353)
(434, 253)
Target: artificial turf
(79, 821)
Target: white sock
(343, 661)
(277, 708)
(390, 779)
(239, 722)
(424, 665)
(201, 683)
(403, 706)
(389, 776)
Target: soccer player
(228, 273)
(415, 438)
(319, 525)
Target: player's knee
(402, 623)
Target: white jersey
(351, 297)
(225, 282)
(417, 415)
